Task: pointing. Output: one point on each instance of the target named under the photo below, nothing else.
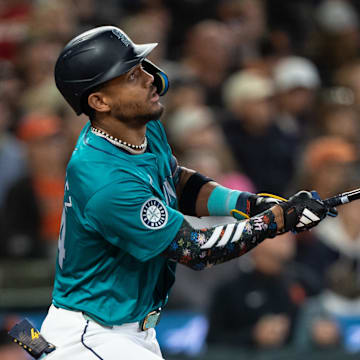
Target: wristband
(223, 200)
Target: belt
(149, 321)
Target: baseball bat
(343, 198)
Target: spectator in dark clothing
(266, 299)
(12, 154)
(296, 81)
(21, 222)
(33, 205)
(258, 145)
(207, 57)
(336, 41)
(332, 319)
(330, 167)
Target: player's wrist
(251, 205)
(222, 201)
(279, 217)
(258, 203)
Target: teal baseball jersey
(119, 215)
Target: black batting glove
(257, 204)
(332, 212)
(303, 211)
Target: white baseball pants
(76, 338)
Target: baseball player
(129, 208)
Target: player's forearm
(201, 248)
(197, 196)
(203, 198)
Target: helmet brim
(143, 50)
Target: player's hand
(331, 211)
(303, 211)
(256, 204)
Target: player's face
(133, 96)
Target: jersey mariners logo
(154, 214)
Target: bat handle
(336, 200)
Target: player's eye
(132, 76)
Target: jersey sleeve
(129, 216)
(175, 170)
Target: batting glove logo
(154, 214)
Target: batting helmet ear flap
(161, 80)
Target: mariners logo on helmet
(121, 37)
(154, 214)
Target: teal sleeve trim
(222, 200)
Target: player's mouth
(154, 96)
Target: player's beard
(135, 114)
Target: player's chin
(157, 109)
(153, 114)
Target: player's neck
(129, 133)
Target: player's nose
(149, 79)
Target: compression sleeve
(201, 248)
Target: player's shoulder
(157, 138)
(95, 162)
(92, 150)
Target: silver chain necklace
(131, 148)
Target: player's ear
(98, 102)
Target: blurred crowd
(264, 97)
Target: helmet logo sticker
(121, 37)
(153, 214)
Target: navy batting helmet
(97, 56)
